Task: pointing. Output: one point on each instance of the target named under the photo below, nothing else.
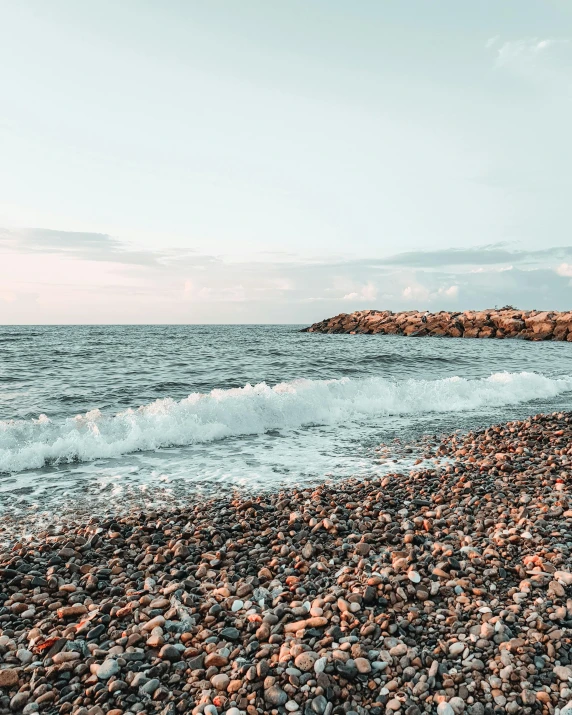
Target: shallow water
(102, 416)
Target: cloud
(564, 269)
(478, 256)
(545, 61)
(72, 244)
(419, 292)
(367, 292)
(450, 292)
(416, 292)
(516, 50)
(491, 269)
(98, 278)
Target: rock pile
(445, 591)
(502, 323)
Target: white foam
(28, 444)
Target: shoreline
(438, 591)
(503, 323)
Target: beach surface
(447, 590)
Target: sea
(102, 419)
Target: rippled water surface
(101, 416)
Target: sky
(281, 162)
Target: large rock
(498, 323)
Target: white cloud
(192, 291)
(419, 292)
(416, 292)
(545, 61)
(450, 292)
(492, 269)
(565, 269)
(524, 49)
(492, 41)
(367, 292)
(170, 287)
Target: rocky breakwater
(447, 591)
(502, 323)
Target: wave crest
(255, 409)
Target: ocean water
(97, 418)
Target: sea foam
(255, 409)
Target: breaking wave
(255, 409)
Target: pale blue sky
(254, 161)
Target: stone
(363, 665)
(19, 701)
(150, 686)
(319, 704)
(275, 696)
(107, 669)
(215, 659)
(230, 634)
(458, 705)
(24, 656)
(306, 660)
(320, 665)
(170, 652)
(563, 672)
(72, 611)
(8, 677)
(220, 681)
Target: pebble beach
(447, 590)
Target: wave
(249, 410)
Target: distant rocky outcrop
(498, 323)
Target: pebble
(107, 669)
(220, 681)
(275, 696)
(8, 678)
(363, 665)
(440, 590)
(305, 661)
